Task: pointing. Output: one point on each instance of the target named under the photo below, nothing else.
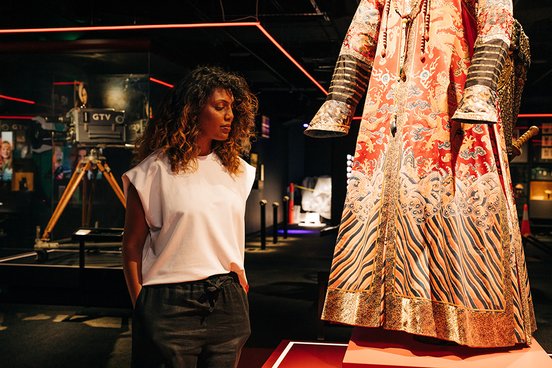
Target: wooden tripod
(82, 167)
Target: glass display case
(58, 104)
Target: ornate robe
(429, 241)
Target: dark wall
(290, 156)
(272, 153)
(313, 157)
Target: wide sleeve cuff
(145, 177)
(478, 105)
(333, 119)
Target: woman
(183, 248)
(429, 241)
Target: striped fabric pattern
(349, 81)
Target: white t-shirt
(196, 220)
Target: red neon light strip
(535, 116)
(161, 82)
(281, 48)
(17, 99)
(16, 117)
(126, 28)
(173, 26)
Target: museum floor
(36, 331)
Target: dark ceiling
(310, 30)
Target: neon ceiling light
(78, 82)
(283, 51)
(126, 28)
(172, 26)
(535, 116)
(17, 99)
(158, 81)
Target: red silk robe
(429, 241)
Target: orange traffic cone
(525, 227)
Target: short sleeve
(146, 179)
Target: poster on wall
(546, 153)
(546, 147)
(6, 157)
(546, 128)
(16, 169)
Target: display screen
(15, 154)
(6, 157)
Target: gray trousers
(191, 324)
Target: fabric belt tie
(213, 285)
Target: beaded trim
(425, 6)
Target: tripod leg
(104, 168)
(90, 200)
(67, 194)
(84, 201)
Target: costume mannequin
(429, 241)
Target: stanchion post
(286, 215)
(275, 206)
(291, 203)
(263, 203)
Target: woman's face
(5, 151)
(215, 119)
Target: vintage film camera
(98, 126)
(85, 127)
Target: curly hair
(175, 128)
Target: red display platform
(295, 354)
(378, 348)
